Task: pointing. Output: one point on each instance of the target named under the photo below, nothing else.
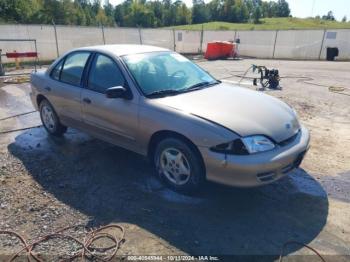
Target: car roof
(120, 50)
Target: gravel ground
(48, 183)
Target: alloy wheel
(48, 118)
(175, 166)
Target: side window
(73, 68)
(104, 73)
(55, 73)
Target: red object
(219, 49)
(23, 54)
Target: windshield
(166, 73)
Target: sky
(304, 8)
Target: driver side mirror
(117, 92)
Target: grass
(270, 24)
(9, 64)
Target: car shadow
(110, 184)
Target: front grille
(265, 177)
(270, 176)
(295, 164)
(299, 159)
(289, 140)
(288, 168)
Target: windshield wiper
(164, 92)
(201, 85)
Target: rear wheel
(179, 165)
(50, 119)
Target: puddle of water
(15, 90)
(172, 196)
(14, 100)
(153, 185)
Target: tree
(329, 16)
(144, 13)
(200, 13)
(182, 13)
(256, 15)
(344, 19)
(282, 9)
(140, 15)
(241, 12)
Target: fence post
(274, 45)
(174, 38)
(54, 27)
(37, 55)
(322, 43)
(103, 34)
(140, 35)
(201, 40)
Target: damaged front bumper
(257, 169)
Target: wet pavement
(14, 100)
(88, 180)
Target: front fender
(154, 117)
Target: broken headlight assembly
(245, 146)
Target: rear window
(73, 68)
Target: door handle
(86, 100)
(47, 88)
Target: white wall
(299, 44)
(70, 37)
(43, 34)
(256, 43)
(187, 41)
(289, 44)
(158, 37)
(122, 35)
(342, 41)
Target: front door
(112, 119)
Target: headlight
(256, 144)
(245, 145)
(235, 147)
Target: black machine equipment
(268, 77)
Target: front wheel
(50, 119)
(179, 165)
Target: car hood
(241, 110)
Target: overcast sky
(304, 8)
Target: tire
(50, 119)
(179, 165)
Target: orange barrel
(219, 49)
(213, 51)
(226, 49)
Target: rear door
(65, 86)
(112, 119)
